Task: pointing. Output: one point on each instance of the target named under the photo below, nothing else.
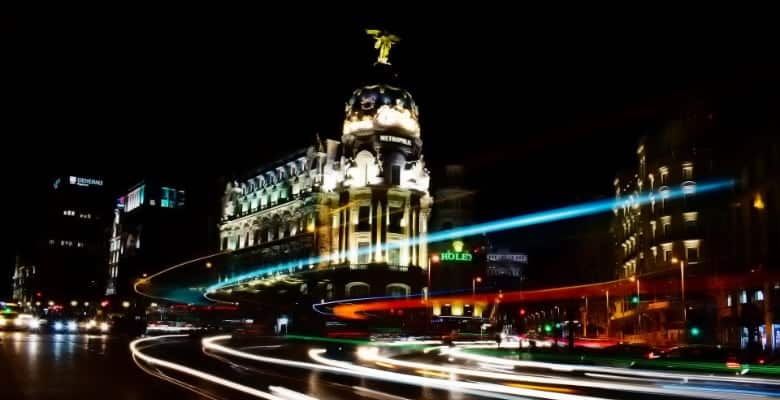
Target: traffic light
(557, 325)
(521, 311)
(695, 331)
(547, 328)
(635, 299)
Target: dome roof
(379, 107)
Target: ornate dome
(381, 107)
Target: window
(397, 290)
(653, 228)
(224, 243)
(363, 252)
(358, 289)
(364, 218)
(690, 227)
(396, 216)
(664, 178)
(742, 297)
(395, 175)
(668, 255)
(759, 295)
(687, 171)
(728, 301)
(667, 228)
(692, 254)
(258, 237)
(394, 256)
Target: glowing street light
(208, 265)
(126, 304)
(74, 303)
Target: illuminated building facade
(62, 262)
(359, 207)
(678, 243)
(153, 227)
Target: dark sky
(541, 106)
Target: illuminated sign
(395, 139)
(457, 255)
(80, 181)
(517, 257)
(453, 256)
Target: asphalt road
(61, 366)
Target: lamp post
(682, 288)
(474, 285)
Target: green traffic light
(635, 299)
(695, 331)
(557, 325)
(548, 328)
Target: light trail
(373, 356)
(343, 368)
(194, 372)
(541, 217)
(685, 377)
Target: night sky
(542, 111)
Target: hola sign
(458, 254)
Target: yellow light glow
(758, 202)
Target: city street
(63, 366)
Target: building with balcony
(701, 264)
(350, 215)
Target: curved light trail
(343, 368)
(194, 372)
(457, 353)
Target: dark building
(704, 265)
(63, 260)
(154, 227)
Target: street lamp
(682, 288)
(126, 304)
(474, 282)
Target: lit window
(687, 171)
(728, 301)
(742, 297)
(363, 252)
(692, 254)
(668, 255)
(664, 176)
(759, 295)
(667, 228)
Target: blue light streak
(536, 218)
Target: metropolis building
(351, 215)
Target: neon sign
(453, 256)
(458, 255)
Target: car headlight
(104, 326)
(17, 322)
(91, 324)
(58, 326)
(34, 324)
(72, 326)
(2, 321)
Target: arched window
(398, 290)
(358, 289)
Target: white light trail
(610, 370)
(507, 376)
(288, 394)
(193, 372)
(325, 364)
